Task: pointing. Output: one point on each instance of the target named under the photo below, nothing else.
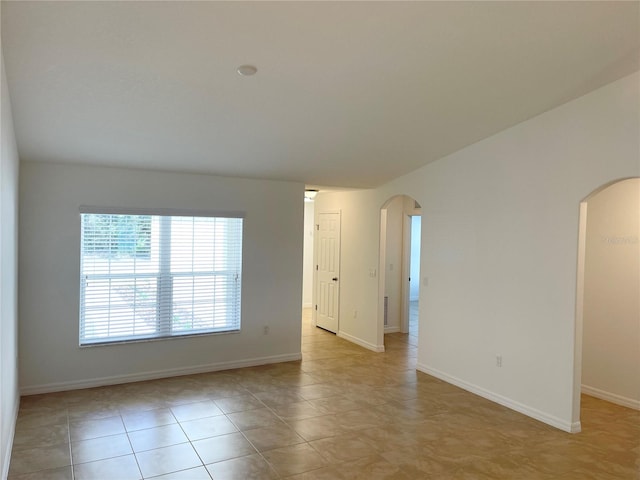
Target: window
(153, 276)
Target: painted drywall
(307, 262)
(393, 263)
(9, 396)
(611, 318)
(50, 197)
(359, 264)
(499, 248)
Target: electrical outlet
(265, 330)
(498, 360)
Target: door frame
(406, 267)
(314, 295)
(576, 425)
(382, 260)
(406, 271)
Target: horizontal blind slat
(139, 279)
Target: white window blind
(153, 276)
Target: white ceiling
(347, 94)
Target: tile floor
(341, 413)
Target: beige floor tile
(374, 467)
(208, 427)
(157, 437)
(252, 467)
(226, 391)
(240, 403)
(198, 473)
(61, 473)
(335, 404)
(193, 411)
(360, 419)
(341, 448)
(44, 436)
(87, 429)
(317, 427)
(316, 391)
(142, 402)
(29, 460)
(121, 468)
(324, 473)
(390, 422)
(281, 396)
(268, 438)
(223, 447)
(40, 417)
(92, 411)
(140, 420)
(294, 459)
(167, 460)
(261, 417)
(418, 459)
(297, 411)
(100, 448)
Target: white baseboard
(362, 343)
(6, 455)
(391, 329)
(611, 397)
(152, 375)
(556, 422)
(307, 305)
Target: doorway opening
(607, 307)
(399, 267)
(307, 259)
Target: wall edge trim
(156, 374)
(611, 397)
(6, 455)
(360, 342)
(536, 414)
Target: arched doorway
(399, 265)
(607, 344)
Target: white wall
(611, 346)
(50, 196)
(499, 248)
(307, 263)
(9, 398)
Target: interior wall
(50, 197)
(500, 250)
(307, 262)
(611, 318)
(359, 268)
(9, 397)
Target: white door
(327, 267)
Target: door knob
(335, 279)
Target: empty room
(320, 240)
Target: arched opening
(399, 267)
(607, 345)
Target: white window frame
(165, 301)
